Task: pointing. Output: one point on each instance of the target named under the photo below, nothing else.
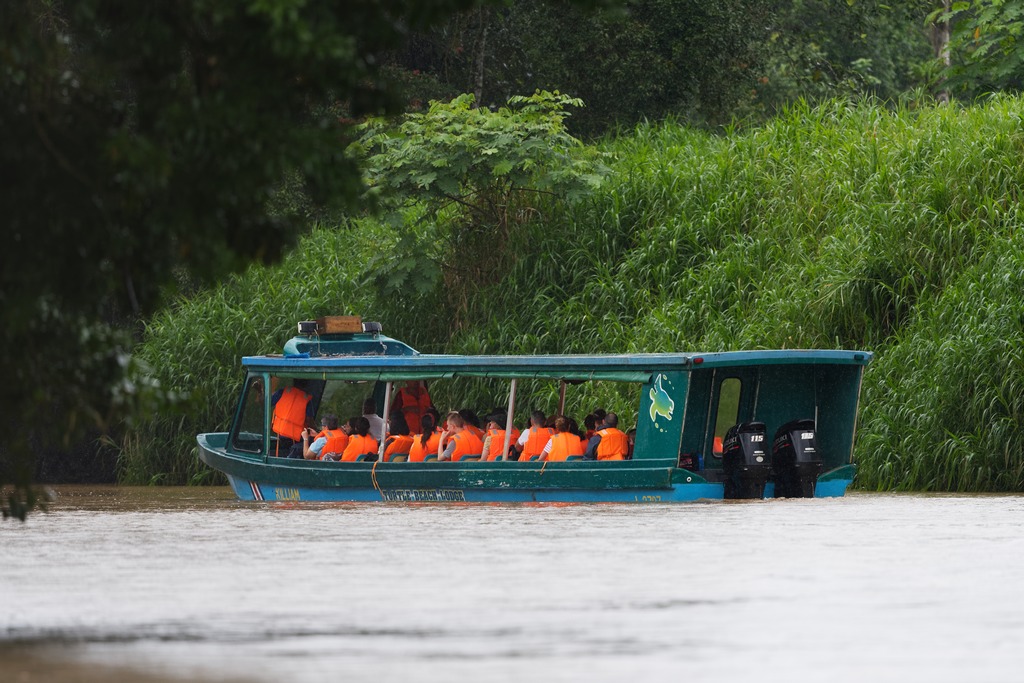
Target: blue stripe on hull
(241, 488)
(246, 490)
(834, 488)
(680, 493)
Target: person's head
(561, 424)
(360, 425)
(432, 411)
(599, 416)
(305, 385)
(496, 420)
(397, 423)
(631, 434)
(329, 421)
(455, 422)
(590, 422)
(574, 427)
(369, 406)
(611, 420)
(537, 418)
(469, 417)
(427, 423)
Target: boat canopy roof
(620, 368)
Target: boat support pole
(561, 398)
(508, 419)
(387, 412)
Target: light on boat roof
(338, 324)
(698, 360)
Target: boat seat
(399, 457)
(430, 458)
(467, 458)
(574, 457)
(366, 457)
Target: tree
(820, 49)
(141, 142)
(692, 59)
(471, 175)
(987, 45)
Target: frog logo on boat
(661, 403)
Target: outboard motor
(796, 461)
(745, 461)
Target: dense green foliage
(988, 42)
(702, 62)
(141, 144)
(836, 226)
(471, 176)
(821, 49)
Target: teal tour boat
(737, 424)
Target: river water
(190, 583)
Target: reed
(842, 225)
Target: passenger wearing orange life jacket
(360, 442)
(425, 443)
(563, 444)
(457, 442)
(330, 441)
(494, 440)
(531, 442)
(609, 443)
(472, 423)
(399, 442)
(293, 411)
(413, 401)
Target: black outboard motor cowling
(745, 461)
(796, 461)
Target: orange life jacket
(414, 406)
(497, 441)
(290, 413)
(359, 445)
(614, 444)
(466, 443)
(536, 442)
(397, 445)
(337, 440)
(480, 434)
(563, 445)
(418, 452)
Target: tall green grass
(835, 226)
(196, 346)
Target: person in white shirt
(377, 425)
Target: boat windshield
(247, 436)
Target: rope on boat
(542, 468)
(373, 477)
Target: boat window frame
(251, 380)
(714, 414)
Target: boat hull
(646, 480)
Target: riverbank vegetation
(895, 230)
(153, 153)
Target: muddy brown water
(157, 584)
